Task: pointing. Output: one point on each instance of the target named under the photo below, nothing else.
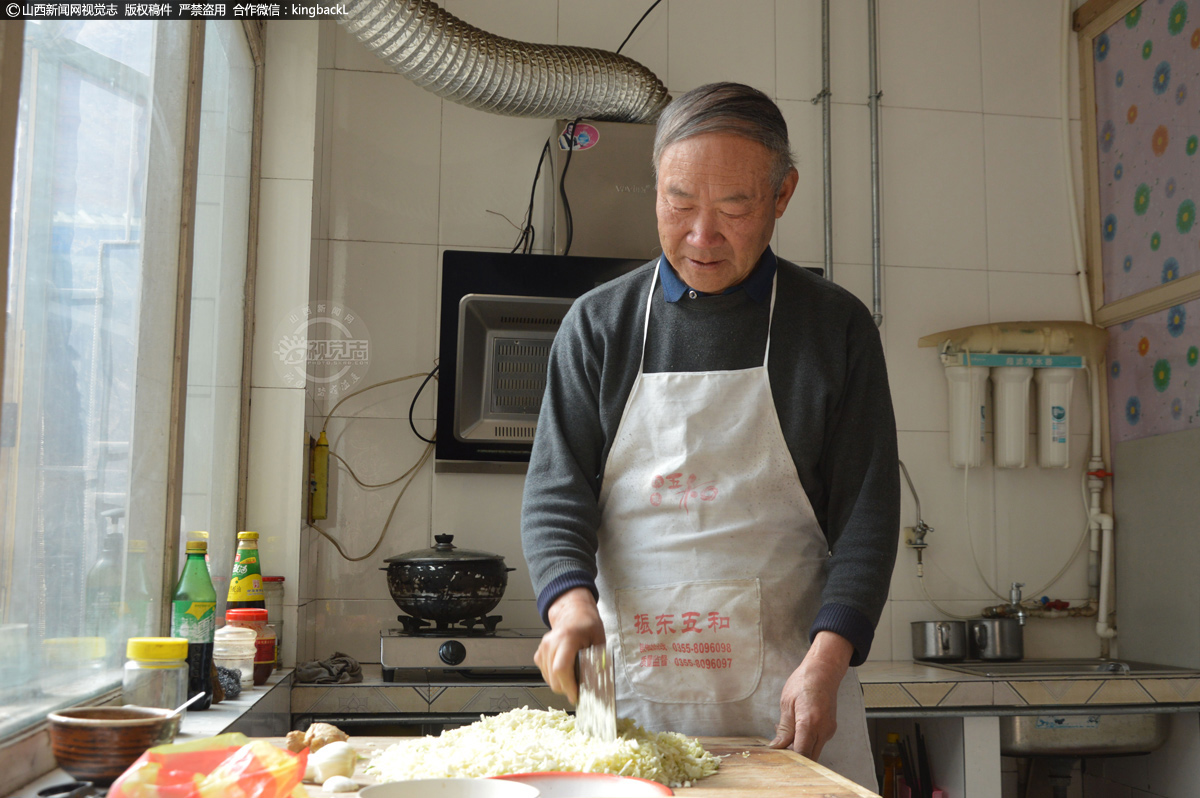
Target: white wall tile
(1018, 296)
(483, 511)
(527, 21)
(289, 100)
(919, 302)
(284, 259)
(584, 23)
(933, 189)
(487, 166)
(392, 289)
(387, 138)
(351, 627)
(1060, 637)
(802, 227)
(711, 40)
(1027, 211)
(1040, 522)
(1021, 40)
(950, 566)
(798, 50)
(1175, 768)
(351, 55)
(929, 54)
(273, 489)
(379, 450)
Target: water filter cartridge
(1010, 389)
(968, 388)
(1054, 416)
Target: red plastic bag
(225, 766)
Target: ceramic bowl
(588, 785)
(97, 744)
(449, 788)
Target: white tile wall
(929, 54)
(712, 40)
(1027, 211)
(289, 101)
(386, 135)
(974, 230)
(933, 188)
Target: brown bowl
(98, 744)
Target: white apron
(711, 561)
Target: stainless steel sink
(1082, 735)
(1062, 669)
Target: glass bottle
(245, 584)
(141, 610)
(103, 597)
(893, 771)
(193, 617)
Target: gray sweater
(829, 383)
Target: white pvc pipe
(1085, 294)
(1103, 630)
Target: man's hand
(574, 625)
(808, 706)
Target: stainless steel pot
(996, 639)
(939, 641)
(446, 584)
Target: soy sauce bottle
(245, 584)
(193, 617)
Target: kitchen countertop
(890, 688)
(748, 768)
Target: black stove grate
(483, 626)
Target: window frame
(1090, 20)
(28, 751)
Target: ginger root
(318, 736)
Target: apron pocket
(692, 642)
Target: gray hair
(727, 108)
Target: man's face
(717, 208)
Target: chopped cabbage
(530, 740)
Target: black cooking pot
(446, 584)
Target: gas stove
(477, 648)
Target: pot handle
(510, 569)
(980, 632)
(943, 629)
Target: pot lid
(444, 551)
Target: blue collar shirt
(757, 284)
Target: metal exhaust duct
(461, 63)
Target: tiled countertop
(892, 686)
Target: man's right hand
(574, 625)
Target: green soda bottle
(245, 584)
(193, 616)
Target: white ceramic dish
(588, 785)
(450, 788)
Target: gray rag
(338, 669)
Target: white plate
(588, 785)
(449, 788)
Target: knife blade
(596, 709)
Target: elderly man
(713, 485)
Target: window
(214, 394)
(86, 534)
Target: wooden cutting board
(748, 768)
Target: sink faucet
(1014, 603)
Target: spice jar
(233, 648)
(264, 643)
(156, 673)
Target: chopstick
(923, 764)
(910, 773)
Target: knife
(596, 709)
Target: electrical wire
(413, 405)
(636, 24)
(412, 472)
(528, 233)
(329, 415)
(562, 185)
